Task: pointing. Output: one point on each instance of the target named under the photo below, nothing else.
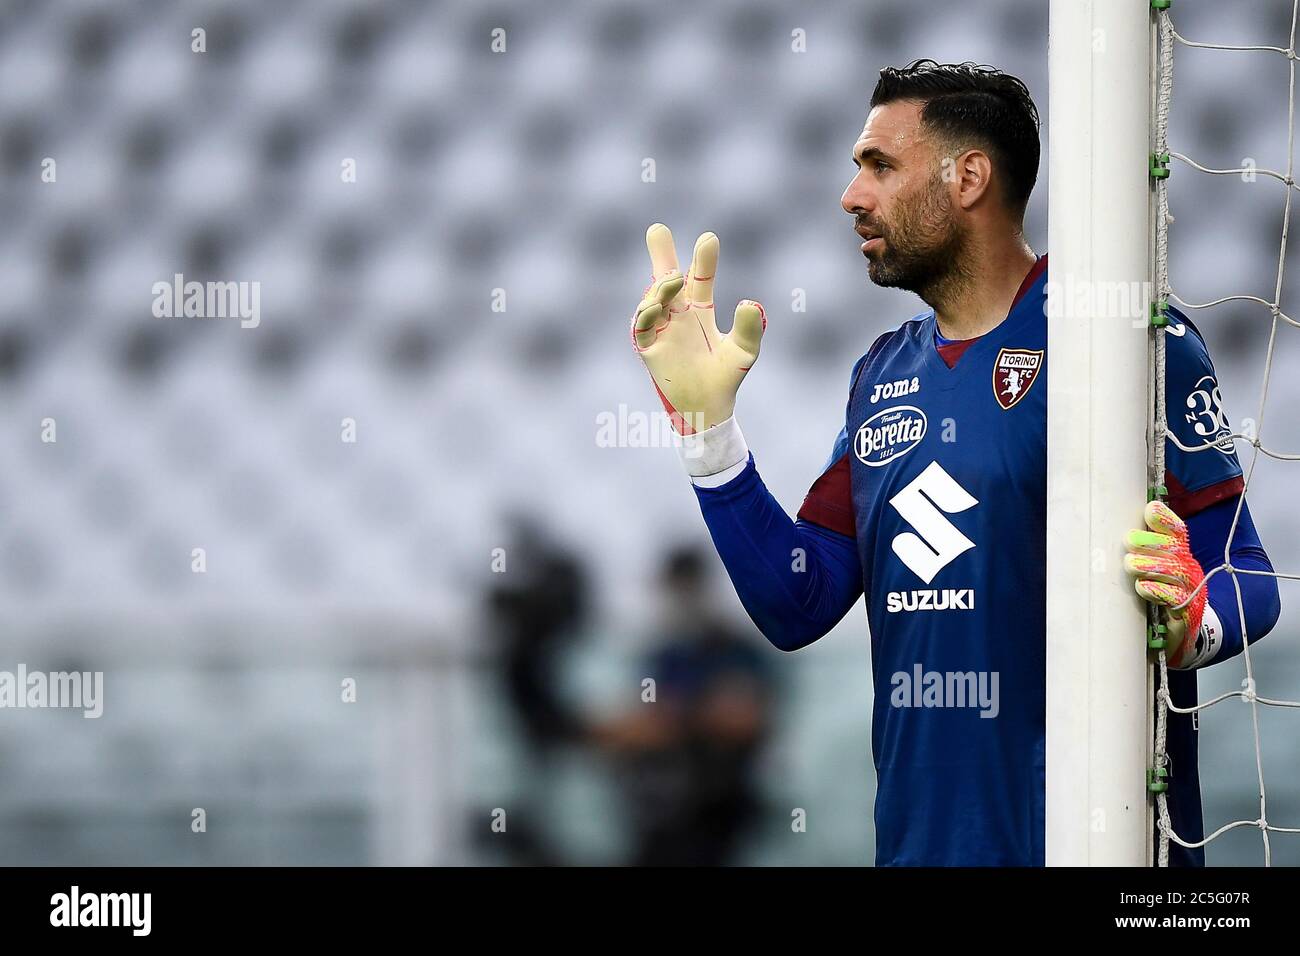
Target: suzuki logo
(922, 503)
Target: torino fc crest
(1014, 372)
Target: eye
(881, 165)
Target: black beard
(924, 249)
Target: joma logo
(902, 386)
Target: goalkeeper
(933, 499)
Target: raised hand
(696, 369)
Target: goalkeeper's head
(946, 162)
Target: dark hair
(974, 105)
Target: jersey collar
(953, 349)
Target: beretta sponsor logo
(888, 434)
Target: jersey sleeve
(1201, 466)
(1227, 626)
(796, 580)
(829, 502)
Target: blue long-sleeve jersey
(933, 502)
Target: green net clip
(1160, 165)
(1161, 4)
(1157, 779)
(1159, 317)
(1156, 637)
(1159, 491)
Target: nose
(857, 198)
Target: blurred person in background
(686, 757)
(535, 612)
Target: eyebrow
(869, 153)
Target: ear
(971, 173)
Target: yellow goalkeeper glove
(1167, 574)
(695, 368)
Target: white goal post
(1098, 682)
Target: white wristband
(1208, 641)
(714, 456)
